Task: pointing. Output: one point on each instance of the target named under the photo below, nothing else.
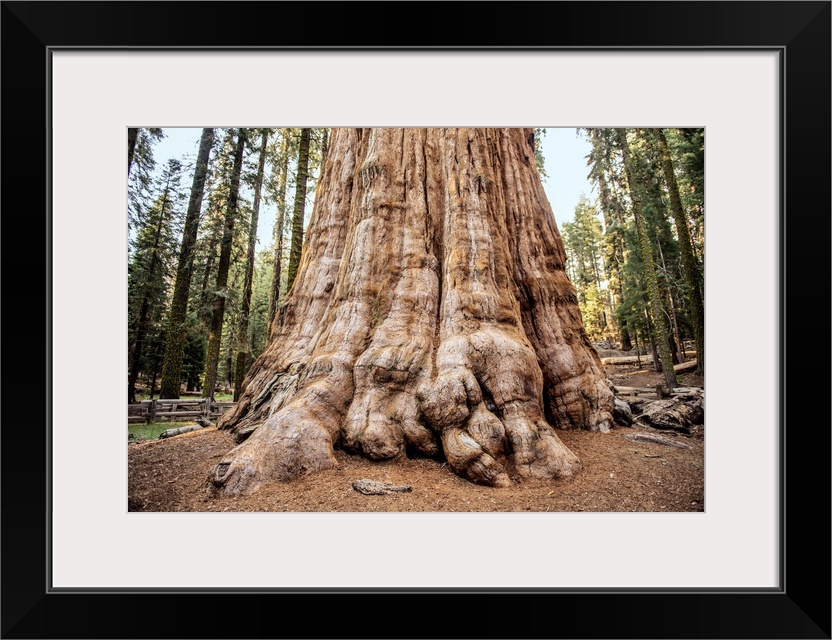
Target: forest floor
(617, 475)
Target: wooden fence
(156, 409)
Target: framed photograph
(754, 75)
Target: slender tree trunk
(638, 348)
(431, 313)
(218, 312)
(138, 346)
(243, 347)
(176, 331)
(204, 293)
(611, 209)
(132, 137)
(229, 367)
(274, 293)
(676, 337)
(144, 311)
(300, 203)
(154, 376)
(626, 340)
(649, 336)
(648, 265)
(676, 332)
(689, 264)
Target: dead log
(652, 438)
(628, 360)
(685, 367)
(679, 413)
(180, 430)
(637, 391)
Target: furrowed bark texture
(431, 314)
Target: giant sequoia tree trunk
(431, 313)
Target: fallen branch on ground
(376, 488)
(655, 439)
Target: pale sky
(564, 152)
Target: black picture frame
(800, 608)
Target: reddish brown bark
(431, 313)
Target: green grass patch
(152, 430)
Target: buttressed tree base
(431, 315)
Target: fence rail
(150, 410)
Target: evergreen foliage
(628, 256)
(152, 259)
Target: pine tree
(221, 291)
(607, 176)
(689, 263)
(177, 327)
(140, 168)
(147, 283)
(243, 345)
(132, 137)
(583, 238)
(649, 269)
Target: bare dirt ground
(617, 475)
